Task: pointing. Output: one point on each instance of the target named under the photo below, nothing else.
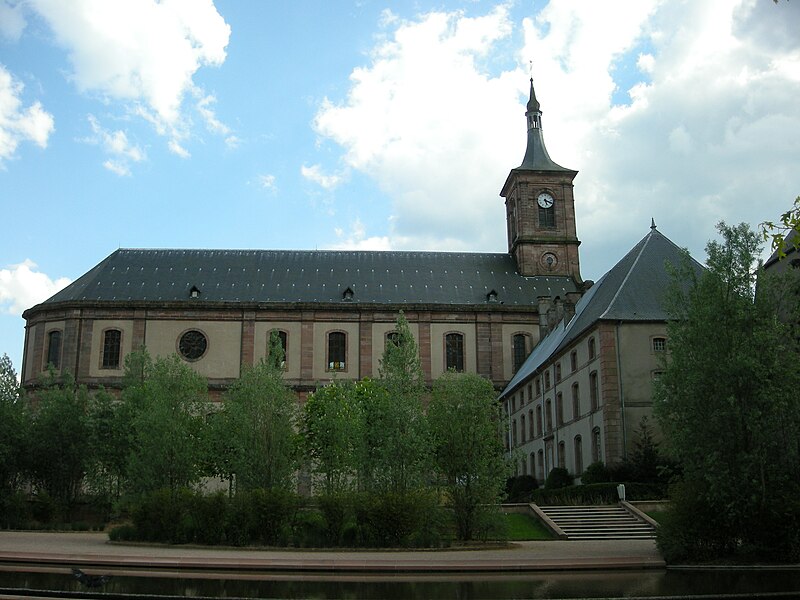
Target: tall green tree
(60, 451)
(331, 435)
(166, 404)
(258, 423)
(109, 440)
(469, 456)
(14, 425)
(394, 422)
(728, 406)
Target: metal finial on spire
(652, 224)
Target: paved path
(38, 549)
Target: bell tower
(540, 208)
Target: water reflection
(597, 584)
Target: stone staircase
(610, 522)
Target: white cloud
(436, 133)
(143, 52)
(711, 120)
(116, 144)
(176, 148)
(12, 21)
(314, 173)
(18, 124)
(267, 182)
(356, 239)
(22, 286)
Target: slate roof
(790, 244)
(633, 290)
(281, 276)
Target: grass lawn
(657, 515)
(523, 527)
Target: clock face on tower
(544, 200)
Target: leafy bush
(123, 533)
(519, 488)
(597, 493)
(14, 511)
(391, 519)
(337, 511)
(596, 473)
(558, 478)
(309, 529)
(272, 512)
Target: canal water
(595, 584)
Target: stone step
(598, 522)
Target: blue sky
(378, 125)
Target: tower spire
(536, 156)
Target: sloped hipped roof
(275, 276)
(633, 290)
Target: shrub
(14, 511)
(309, 529)
(391, 519)
(123, 533)
(558, 478)
(519, 488)
(597, 493)
(596, 473)
(337, 511)
(272, 512)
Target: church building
(333, 310)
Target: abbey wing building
(335, 310)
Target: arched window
(539, 420)
(597, 455)
(112, 340)
(540, 464)
(559, 409)
(547, 380)
(562, 455)
(520, 350)
(558, 371)
(533, 463)
(524, 466)
(454, 351)
(522, 429)
(514, 433)
(573, 360)
(530, 423)
(576, 401)
(337, 351)
(591, 348)
(594, 394)
(578, 456)
(393, 337)
(538, 387)
(281, 338)
(54, 349)
(548, 414)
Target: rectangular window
(112, 339)
(659, 344)
(454, 352)
(520, 348)
(280, 341)
(337, 351)
(54, 349)
(594, 395)
(547, 218)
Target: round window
(192, 345)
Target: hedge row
(597, 493)
(276, 518)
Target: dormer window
(194, 292)
(347, 295)
(491, 296)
